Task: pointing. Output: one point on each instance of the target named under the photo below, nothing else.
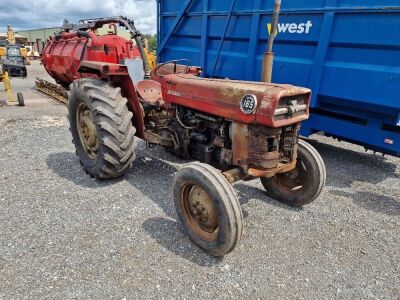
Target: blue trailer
(347, 52)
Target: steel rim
(87, 130)
(294, 181)
(200, 212)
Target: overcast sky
(33, 14)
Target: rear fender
(102, 69)
(129, 91)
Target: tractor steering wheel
(175, 62)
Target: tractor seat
(150, 92)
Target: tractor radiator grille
(290, 107)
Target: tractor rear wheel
(208, 208)
(101, 127)
(302, 185)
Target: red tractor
(234, 130)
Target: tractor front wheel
(101, 127)
(208, 208)
(302, 185)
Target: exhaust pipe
(268, 59)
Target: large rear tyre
(302, 185)
(101, 128)
(208, 208)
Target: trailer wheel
(101, 128)
(21, 101)
(208, 208)
(302, 185)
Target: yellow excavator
(11, 41)
(13, 56)
(4, 77)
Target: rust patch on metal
(240, 137)
(264, 146)
(281, 168)
(199, 211)
(264, 151)
(150, 92)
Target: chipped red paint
(222, 98)
(62, 57)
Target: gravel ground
(64, 235)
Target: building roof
(4, 35)
(39, 29)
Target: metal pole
(269, 55)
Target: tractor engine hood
(273, 105)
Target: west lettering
(300, 28)
(283, 27)
(308, 26)
(293, 28)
